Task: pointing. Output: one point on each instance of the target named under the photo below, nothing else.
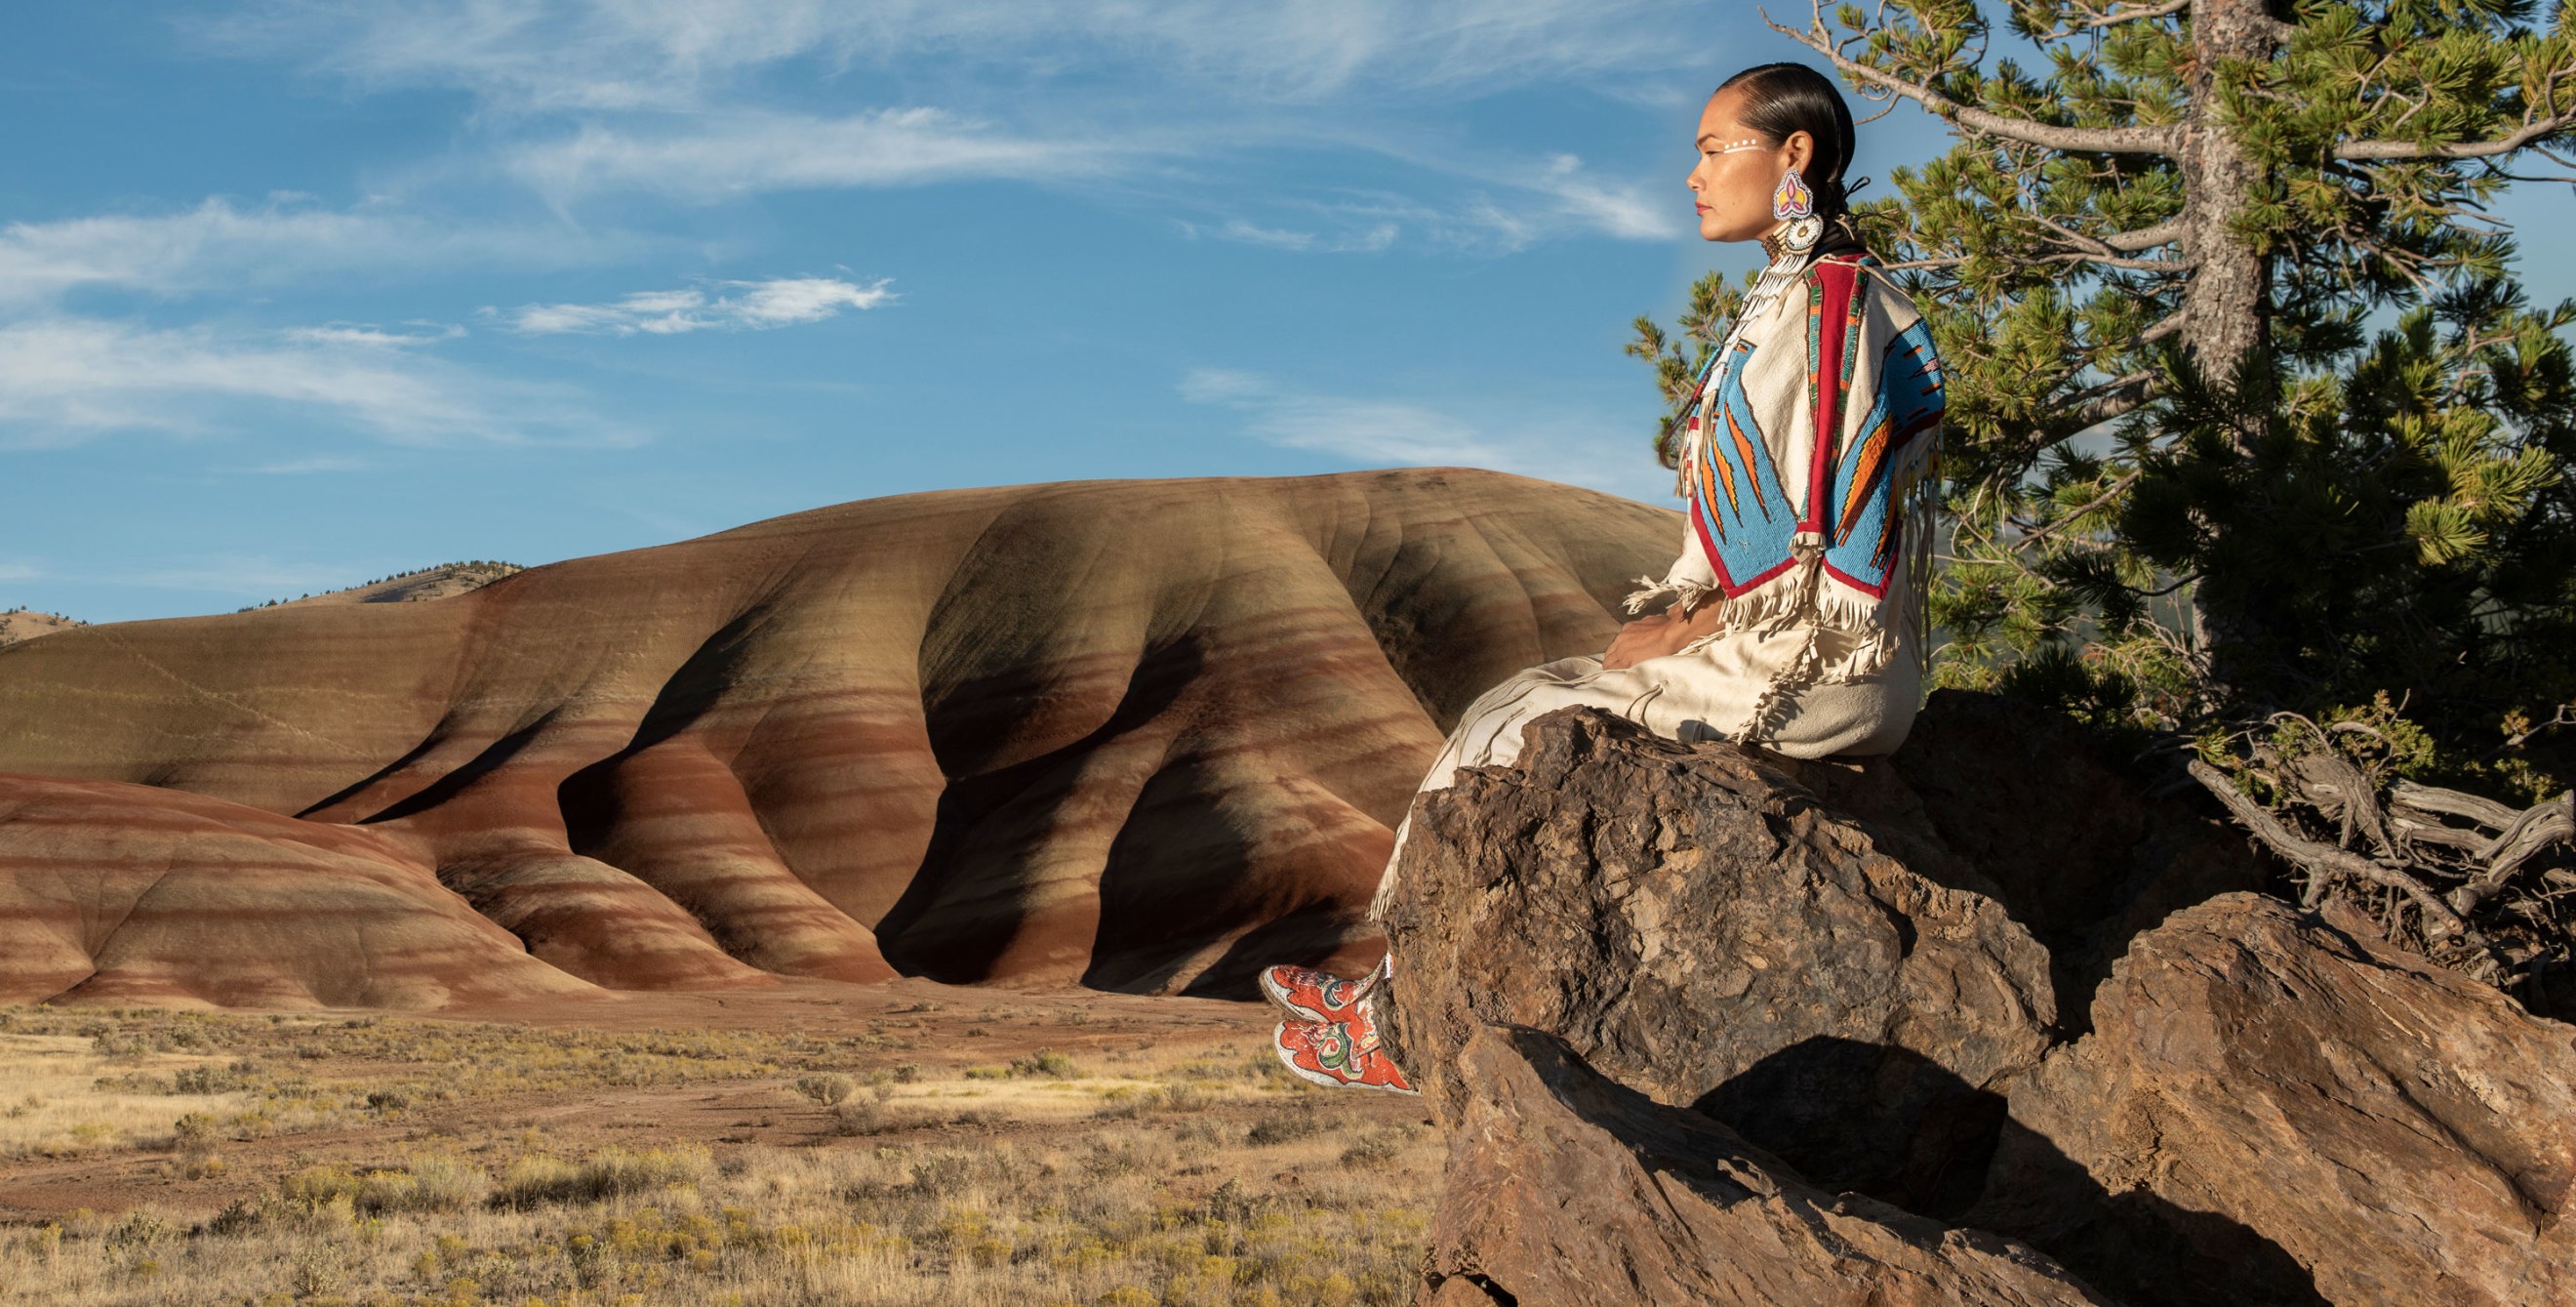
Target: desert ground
(812, 1142)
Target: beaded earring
(1795, 205)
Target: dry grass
(53, 1103)
(1145, 1175)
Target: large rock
(2026, 805)
(2272, 1108)
(1699, 928)
(1146, 735)
(1567, 1189)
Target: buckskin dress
(1813, 549)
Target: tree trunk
(2228, 301)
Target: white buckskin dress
(1815, 553)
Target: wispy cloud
(302, 466)
(372, 337)
(1620, 209)
(1174, 103)
(1365, 239)
(753, 306)
(1368, 431)
(220, 246)
(1497, 206)
(1398, 433)
(536, 56)
(66, 379)
(712, 157)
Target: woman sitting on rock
(1806, 456)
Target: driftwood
(2484, 879)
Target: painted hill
(1139, 735)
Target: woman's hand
(1656, 636)
(1638, 641)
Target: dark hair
(1783, 98)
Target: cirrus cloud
(754, 306)
(66, 379)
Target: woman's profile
(1806, 457)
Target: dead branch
(2324, 863)
(2539, 826)
(2439, 803)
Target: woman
(1807, 466)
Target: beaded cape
(1809, 467)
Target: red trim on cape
(1836, 283)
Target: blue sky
(297, 295)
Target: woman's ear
(1801, 146)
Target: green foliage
(2403, 527)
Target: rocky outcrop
(1668, 997)
(2023, 805)
(1142, 735)
(2275, 1108)
(1566, 1189)
(1701, 929)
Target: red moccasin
(1342, 1054)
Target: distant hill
(26, 624)
(1138, 735)
(415, 586)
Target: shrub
(317, 1186)
(1288, 1126)
(214, 1079)
(1045, 1062)
(938, 1175)
(829, 1088)
(608, 1173)
(860, 1116)
(141, 1228)
(430, 1184)
(1372, 1149)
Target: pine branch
(2119, 14)
(2113, 261)
(2387, 151)
(2047, 136)
(2145, 238)
(2095, 19)
(2111, 407)
(2073, 516)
